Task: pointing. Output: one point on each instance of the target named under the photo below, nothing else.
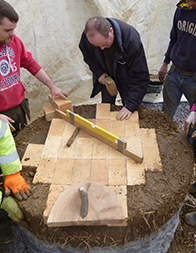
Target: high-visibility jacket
(9, 159)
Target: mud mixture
(150, 206)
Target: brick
(132, 128)
(99, 171)
(57, 127)
(100, 149)
(149, 138)
(135, 172)
(54, 192)
(84, 148)
(117, 172)
(113, 115)
(152, 159)
(67, 152)
(45, 171)
(60, 103)
(134, 145)
(121, 192)
(81, 171)
(134, 116)
(63, 171)
(32, 155)
(113, 153)
(117, 128)
(64, 151)
(103, 111)
(49, 113)
(51, 147)
(103, 123)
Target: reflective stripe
(1, 195)
(3, 128)
(121, 145)
(72, 120)
(9, 158)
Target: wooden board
(100, 133)
(104, 207)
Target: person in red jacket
(13, 56)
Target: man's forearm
(44, 78)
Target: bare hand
(193, 134)
(191, 120)
(123, 114)
(45, 79)
(163, 71)
(8, 120)
(56, 91)
(102, 77)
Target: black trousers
(18, 114)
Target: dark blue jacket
(182, 46)
(130, 68)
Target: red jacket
(13, 56)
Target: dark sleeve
(89, 56)
(139, 80)
(173, 39)
(137, 69)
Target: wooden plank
(104, 207)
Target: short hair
(7, 11)
(99, 24)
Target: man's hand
(56, 91)
(45, 79)
(102, 78)
(7, 120)
(162, 72)
(191, 120)
(123, 114)
(12, 209)
(16, 183)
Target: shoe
(190, 218)
(192, 189)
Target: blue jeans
(175, 85)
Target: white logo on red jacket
(4, 67)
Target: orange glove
(16, 183)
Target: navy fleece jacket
(182, 46)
